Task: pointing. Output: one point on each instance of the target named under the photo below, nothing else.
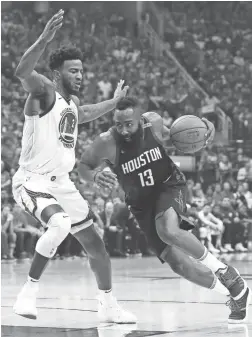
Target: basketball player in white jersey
(42, 186)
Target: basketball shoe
(25, 304)
(109, 311)
(240, 294)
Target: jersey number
(146, 178)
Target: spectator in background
(208, 166)
(227, 193)
(113, 232)
(225, 168)
(241, 228)
(198, 196)
(245, 173)
(8, 237)
(167, 120)
(5, 180)
(105, 87)
(27, 233)
(214, 229)
(240, 159)
(100, 203)
(217, 194)
(190, 185)
(209, 195)
(227, 214)
(5, 198)
(247, 194)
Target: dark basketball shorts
(163, 199)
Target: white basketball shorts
(34, 192)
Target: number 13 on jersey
(146, 178)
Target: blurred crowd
(213, 40)
(111, 53)
(220, 201)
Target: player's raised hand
(120, 92)
(106, 179)
(211, 131)
(52, 26)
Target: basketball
(188, 134)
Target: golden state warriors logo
(67, 127)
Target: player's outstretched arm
(88, 113)
(31, 80)
(92, 159)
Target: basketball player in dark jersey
(133, 154)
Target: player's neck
(62, 92)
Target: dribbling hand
(52, 26)
(106, 179)
(119, 92)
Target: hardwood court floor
(165, 304)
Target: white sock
(219, 287)
(211, 262)
(105, 295)
(30, 279)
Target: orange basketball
(188, 134)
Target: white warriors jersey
(48, 143)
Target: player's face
(71, 76)
(126, 123)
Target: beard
(70, 88)
(134, 138)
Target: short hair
(127, 102)
(64, 53)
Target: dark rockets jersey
(144, 166)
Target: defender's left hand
(119, 92)
(210, 131)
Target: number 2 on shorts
(146, 178)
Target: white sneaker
(26, 301)
(212, 249)
(250, 246)
(223, 250)
(109, 311)
(239, 248)
(229, 248)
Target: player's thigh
(35, 198)
(146, 221)
(91, 242)
(75, 206)
(170, 211)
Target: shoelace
(233, 305)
